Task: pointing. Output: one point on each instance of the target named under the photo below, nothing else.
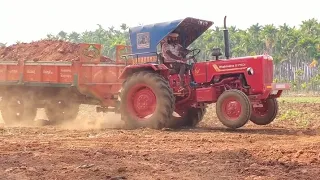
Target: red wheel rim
(141, 101)
(261, 111)
(231, 108)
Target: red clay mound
(45, 50)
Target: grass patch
(290, 115)
(297, 118)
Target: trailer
(141, 86)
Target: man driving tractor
(174, 53)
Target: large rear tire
(146, 101)
(233, 108)
(266, 114)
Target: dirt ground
(285, 149)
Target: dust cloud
(87, 119)
(107, 121)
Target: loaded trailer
(141, 86)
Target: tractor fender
(128, 70)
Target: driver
(173, 52)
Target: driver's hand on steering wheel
(192, 58)
(180, 61)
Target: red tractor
(142, 86)
(242, 87)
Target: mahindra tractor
(241, 87)
(143, 87)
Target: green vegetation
(109, 38)
(301, 112)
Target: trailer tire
(146, 101)
(233, 108)
(265, 115)
(63, 107)
(57, 114)
(18, 109)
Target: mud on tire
(233, 108)
(146, 101)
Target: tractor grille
(268, 71)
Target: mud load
(46, 50)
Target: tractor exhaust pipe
(226, 39)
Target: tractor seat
(172, 69)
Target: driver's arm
(183, 51)
(172, 56)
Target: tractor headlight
(250, 70)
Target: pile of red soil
(45, 50)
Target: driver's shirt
(174, 49)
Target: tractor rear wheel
(146, 101)
(233, 108)
(266, 114)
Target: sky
(30, 20)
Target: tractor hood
(144, 39)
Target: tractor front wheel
(146, 101)
(266, 114)
(233, 108)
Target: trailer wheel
(266, 114)
(146, 101)
(61, 111)
(233, 108)
(18, 110)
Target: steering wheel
(194, 52)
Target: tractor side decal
(230, 67)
